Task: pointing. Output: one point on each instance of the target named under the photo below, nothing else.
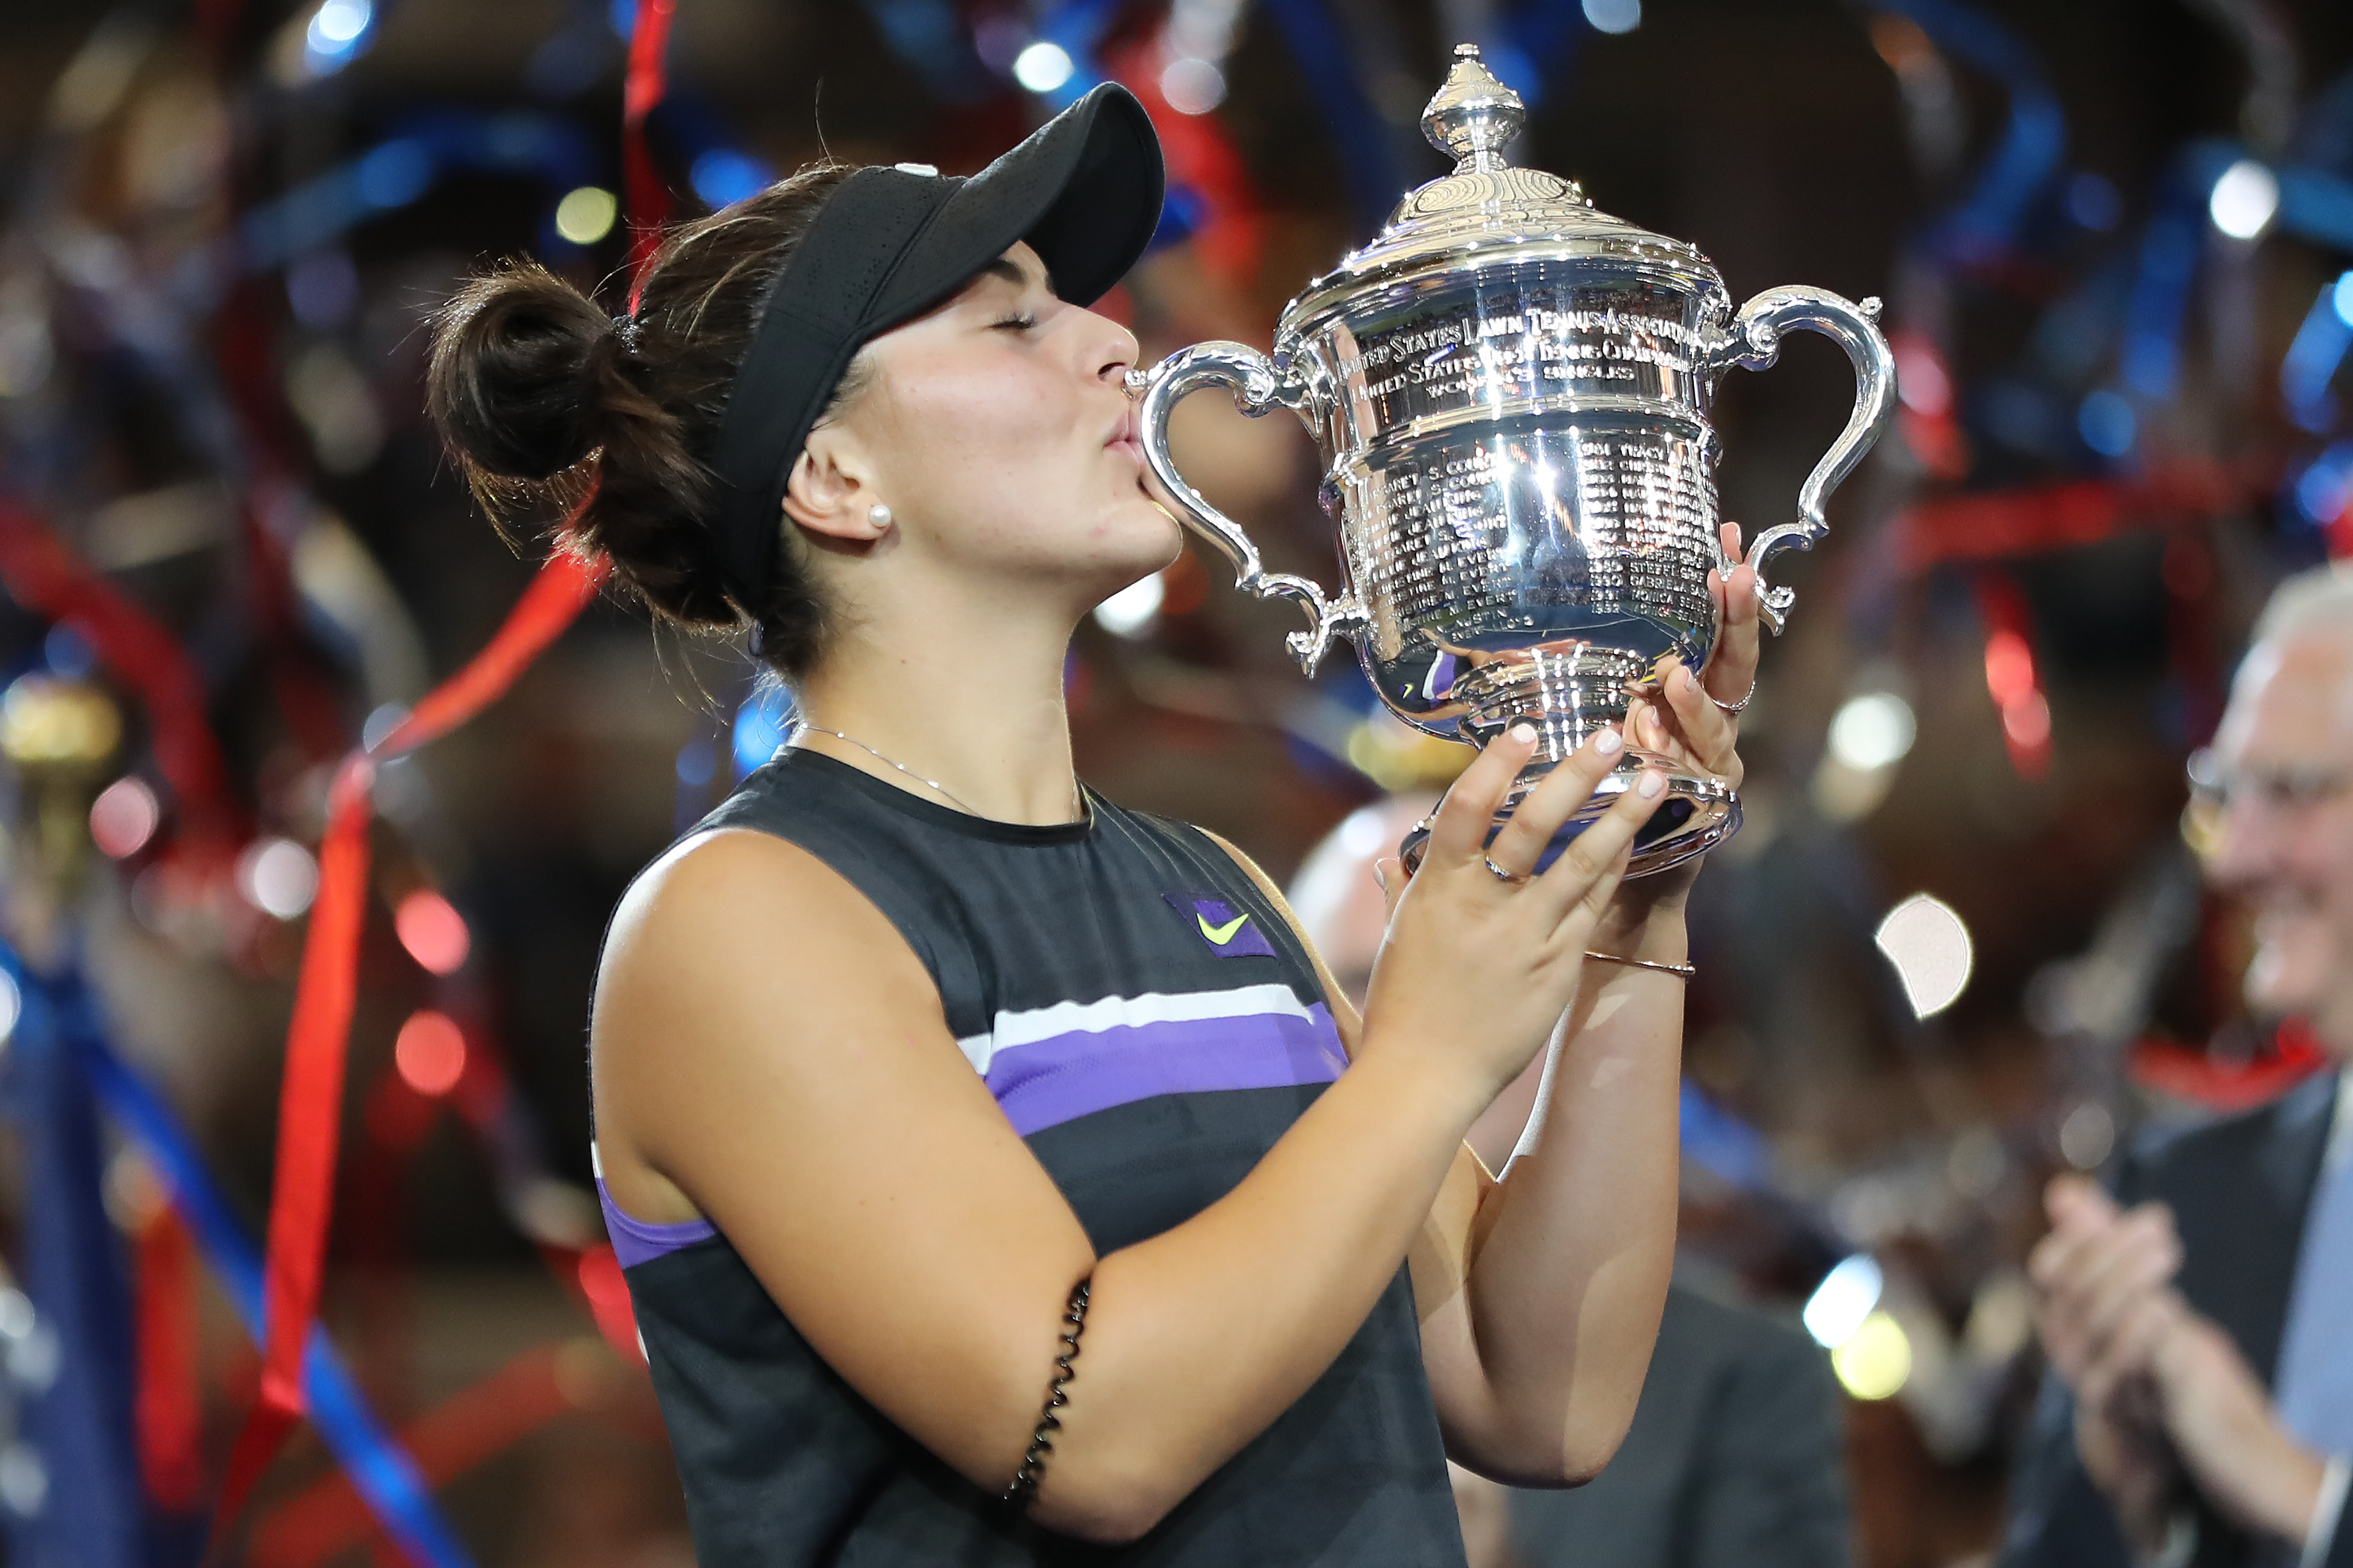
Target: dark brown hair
(529, 381)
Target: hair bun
(511, 382)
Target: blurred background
(1959, 945)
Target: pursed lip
(1127, 435)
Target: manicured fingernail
(1523, 733)
(1380, 877)
(1607, 742)
(1652, 786)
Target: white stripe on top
(1016, 1029)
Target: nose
(1114, 350)
(2246, 845)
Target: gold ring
(1503, 876)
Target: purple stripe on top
(636, 1242)
(1065, 1076)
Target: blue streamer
(2316, 205)
(1984, 224)
(2159, 309)
(1358, 130)
(1721, 1144)
(80, 1424)
(2313, 357)
(379, 1467)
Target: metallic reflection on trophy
(1510, 390)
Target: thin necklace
(1078, 806)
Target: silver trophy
(1510, 390)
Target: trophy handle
(1755, 343)
(1258, 385)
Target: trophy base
(1696, 813)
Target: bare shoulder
(741, 904)
(769, 1053)
(730, 962)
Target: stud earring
(879, 515)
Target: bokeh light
(1874, 729)
(1846, 1297)
(1131, 612)
(724, 176)
(1192, 86)
(2087, 1136)
(429, 1053)
(335, 31)
(433, 932)
(1042, 66)
(2245, 200)
(278, 876)
(124, 817)
(1927, 942)
(586, 216)
(1614, 16)
(1876, 1362)
(760, 726)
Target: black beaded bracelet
(1041, 1442)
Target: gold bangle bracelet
(1680, 971)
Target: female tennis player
(999, 1176)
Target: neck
(963, 693)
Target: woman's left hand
(1685, 721)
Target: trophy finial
(1473, 116)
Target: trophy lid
(1487, 201)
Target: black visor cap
(1084, 190)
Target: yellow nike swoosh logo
(1219, 935)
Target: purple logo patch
(1230, 932)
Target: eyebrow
(1013, 272)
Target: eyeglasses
(2281, 791)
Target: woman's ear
(829, 493)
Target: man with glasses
(2198, 1324)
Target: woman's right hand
(1477, 972)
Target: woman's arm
(1541, 1293)
(1537, 1348)
(769, 1053)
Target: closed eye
(1015, 324)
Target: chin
(2293, 972)
(1146, 533)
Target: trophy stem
(1569, 694)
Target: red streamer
(169, 1413)
(318, 1040)
(453, 1437)
(309, 1129)
(647, 81)
(2223, 1085)
(1993, 525)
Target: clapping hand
(2162, 1395)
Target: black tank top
(1150, 1027)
